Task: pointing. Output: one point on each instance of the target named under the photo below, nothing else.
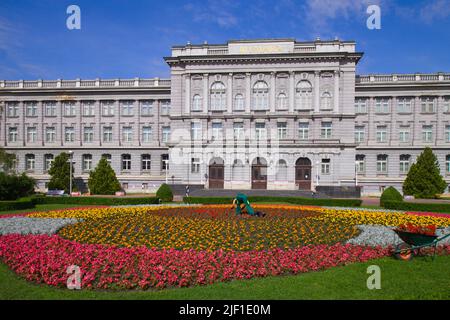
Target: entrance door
(259, 173)
(216, 174)
(303, 173)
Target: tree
(424, 179)
(60, 173)
(6, 161)
(164, 193)
(14, 186)
(103, 180)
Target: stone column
(317, 91)
(187, 96)
(230, 93)
(291, 92)
(272, 91)
(248, 91)
(336, 91)
(205, 92)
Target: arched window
(239, 102)
(282, 101)
(281, 170)
(325, 103)
(218, 96)
(197, 103)
(304, 95)
(261, 96)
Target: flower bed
(44, 259)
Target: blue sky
(127, 39)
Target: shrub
(424, 179)
(13, 186)
(420, 207)
(164, 193)
(390, 194)
(95, 200)
(16, 205)
(103, 180)
(292, 200)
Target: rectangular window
(447, 133)
(50, 134)
(12, 134)
(69, 134)
(12, 109)
(427, 133)
(359, 134)
(382, 105)
(50, 108)
(31, 134)
(165, 108)
(361, 106)
(447, 164)
(427, 105)
(238, 130)
(260, 130)
(196, 130)
(404, 163)
(126, 162)
(146, 162)
(325, 167)
(303, 131)
(146, 107)
(382, 164)
(325, 130)
(282, 130)
(404, 134)
(195, 165)
(30, 162)
(360, 164)
(107, 134)
(31, 109)
(446, 104)
(146, 134)
(404, 105)
(87, 162)
(217, 130)
(127, 134)
(88, 108)
(48, 160)
(69, 109)
(88, 134)
(164, 162)
(127, 108)
(107, 108)
(165, 134)
(381, 134)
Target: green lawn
(418, 279)
(43, 207)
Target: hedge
(95, 200)
(291, 200)
(421, 207)
(16, 205)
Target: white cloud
(218, 12)
(435, 10)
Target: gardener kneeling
(242, 205)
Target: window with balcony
(260, 96)
(303, 95)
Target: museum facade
(273, 114)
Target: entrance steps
(254, 192)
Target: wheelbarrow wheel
(404, 252)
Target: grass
(418, 279)
(43, 207)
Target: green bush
(291, 200)
(95, 200)
(13, 186)
(421, 207)
(390, 194)
(103, 180)
(165, 193)
(424, 179)
(16, 205)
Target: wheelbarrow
(413, 242)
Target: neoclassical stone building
(251, 114)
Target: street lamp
(70, 170)
(317, 173)
(356, 173)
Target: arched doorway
(259, 173)
(303, 173)
(216, 173)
